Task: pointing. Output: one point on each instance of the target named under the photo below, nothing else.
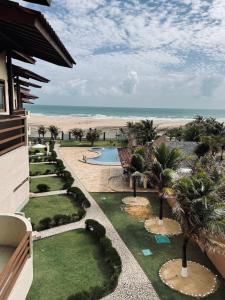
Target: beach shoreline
(66, 123)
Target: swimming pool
(107, 156)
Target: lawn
(66, 264)
(41, 169)
(54, 183)
(42, 207)
(73, 143)
(137, 238)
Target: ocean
(125, 112)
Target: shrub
(96, 229)
(47, 172)
(202, 149)
(105, 243)
(80, 296)
(42, 188)
(45, 223)
(81, 213)
(79, 197)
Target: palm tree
(77, 133)
(41, 131)
(200, 214)
(144, 131)
(54, 131)
(166, 161)
(92, 135)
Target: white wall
(14, 169)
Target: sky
(137, 53)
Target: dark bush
(80, 296)
(202, 149)
(105, 243)
(45, 223)
(79, 197)
(81, 213)
(47, 172)
(95, 228)
(43, 188)
(54, 155)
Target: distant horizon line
(134, 107)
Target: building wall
(3, 76)
(14, 174)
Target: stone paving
(61, 192)
(42, 176)
(133, 282)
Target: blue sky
(144, 53)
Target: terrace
(15, 257)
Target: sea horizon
(98, 112)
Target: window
(2, 95)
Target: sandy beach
(68, 122)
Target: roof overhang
(23, 57)
(21, 72)
(27, 31)
(27, 95)
(41, 2)
(27, 84)
(26, 101)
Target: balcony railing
(12, 133)
(15, 265)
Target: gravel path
(133, 283)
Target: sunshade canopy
(26, 83)
(21, 72)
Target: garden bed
(67, 264)
(137, 239)
(42, 169)
(54, 183)
(47, 207)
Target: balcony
(16, 271)
(12, 133)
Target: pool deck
(95, 178)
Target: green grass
(42, 207)
(54, 183)
(137, 238)
(42, 168)
(72, 143)
(66, 264)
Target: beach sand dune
(66, 123)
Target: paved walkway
(133, 282)
(42, 162)
(52, 193)
(42, 176)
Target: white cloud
(169, 52)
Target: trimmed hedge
(112, 258)
(59, 219)
(79, 197)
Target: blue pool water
(108, 156)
